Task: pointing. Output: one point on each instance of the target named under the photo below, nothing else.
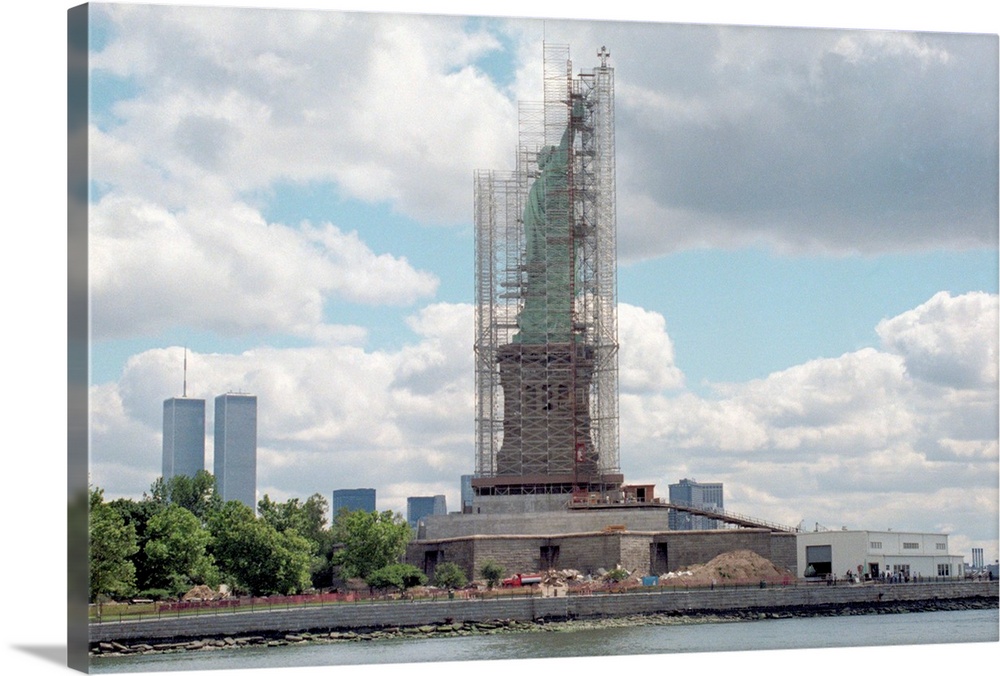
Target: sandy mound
(736, 567)
(200, 593)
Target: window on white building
(875, 545)
(940, 545)
(911, 545)
(944, 569)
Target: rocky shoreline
(449, 629)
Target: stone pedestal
(546, 428)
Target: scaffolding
(546, 341)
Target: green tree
(276, 514)
(253, 556)
(311, 519)
(307, 519)
(369, 541)
(176, 551)
(449, 576)
(401, 576)
(617, 575)
(198, 494)
(137, 513)
(316, 529)
(112, 544)
(295, 563)
(157, 492)
(492, 572)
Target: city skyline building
(353, 499)
(546, 341)
(236, 447)
(418, 507)
(707, 496)
(466, 494)
(183, 437)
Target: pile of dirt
(200, 592)
(737, 567)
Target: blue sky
(752, 312)
(807, 240)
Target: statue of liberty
(547, 314)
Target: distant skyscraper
(353, 499)
(421, 506)
(236, 448)
(694, 494)
(467, 494)
(183, 437)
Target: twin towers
(235, 461)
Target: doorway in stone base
(659, 563)
(431, 559)
(548, 557)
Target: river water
(961, 626)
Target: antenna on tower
(185, 394)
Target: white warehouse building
(876, 553)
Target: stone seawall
(349, 616)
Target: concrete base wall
(783, 550)
(519, 504)
(645, 553)
(396, 614)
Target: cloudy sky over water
(808, 252)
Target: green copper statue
(547, 314)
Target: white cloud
(225, 269)
(948, 341)
(804, 140)
(849, 402)
(870, 439)
(387, 107)
(844, 405)
(875, 45)
(646, 355)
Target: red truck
(522, 580)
